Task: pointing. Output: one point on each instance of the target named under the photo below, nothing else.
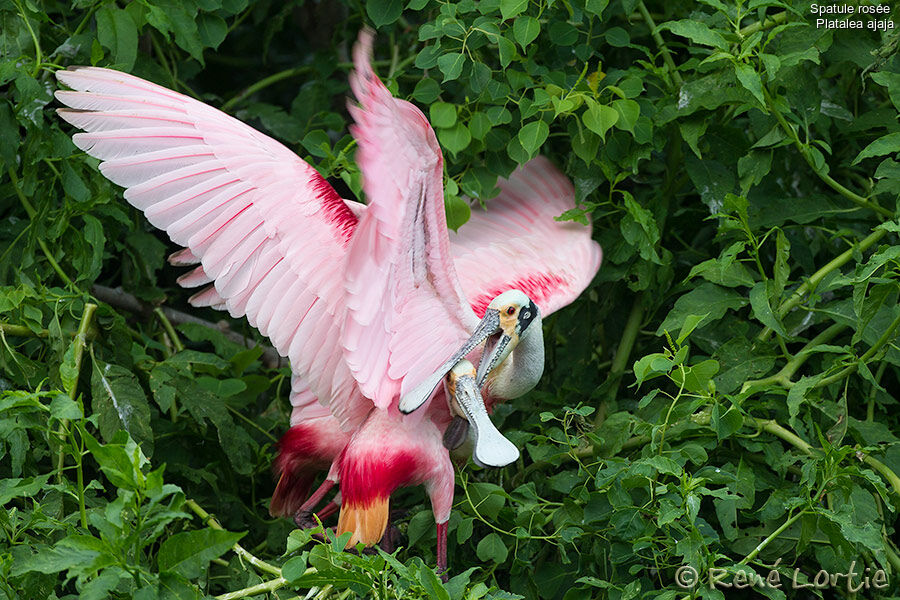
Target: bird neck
(523, 368)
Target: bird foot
(456, 433)
(392, 539)
(304, 519)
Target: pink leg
(442, 551)
(302, 518)
(328, 510)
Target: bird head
(508, 318)
(515, 315)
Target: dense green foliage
(722, 397)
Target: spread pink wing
(406, 310)
(517, 244)
(267, 230)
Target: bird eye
(511, 310)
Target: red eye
(510, 310)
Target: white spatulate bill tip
(497, 454)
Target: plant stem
(775, 19)
(885, 338)
(783, 377)
(22, 331)
(268, 586)
(817, 277)
(892, 556)
(38, 55)
(870, 408)
(79, 476)
(250, 422)
(176, 341)
(31, 215)
(623, 353)
(167, 325)
(885, 471)
(802, 148)
(664, 50)
(238, 549)
(264, 83)
(772, 426)
(762, 545)
(79, 344)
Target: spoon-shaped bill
(495, 352)
(491, 448)
(417, 396)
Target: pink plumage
(365, 301)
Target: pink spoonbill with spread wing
(371, 303)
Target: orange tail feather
(367, 523)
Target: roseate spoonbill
(364, 301)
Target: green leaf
(690, 323)
(886, 144)
(464, 530)
(533, 135)
(512, 8)
(294, 568)
(697, 32)
(68, 374)
(892, 82)
(713, 180)
(479, 125)
(696, 378)
(54, 560)
(431, 584)
(456, 138)
(599, 118)
(585, 146)
(762, 309)
(428, 56)
(457, 211)
(741, 360)
(442, 114)
(451, 65)
(725, 270)
(188, 552)
(525, 30)
(212, 30)
(726, 424)
(117, 31)
(426, 91)
(563, 34)
(384, 12)
(63, 407)
(639, 229)
(93, 234)
(749, 78)
(121, 460)
(120, 403)
(753, 168)
(180, 18)
(629, 111)
(492, 548)
(709, 299)
(797, 395)
(596, 7)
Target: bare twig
(119, 298)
